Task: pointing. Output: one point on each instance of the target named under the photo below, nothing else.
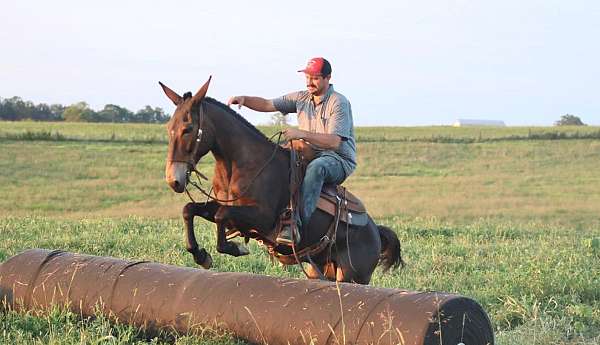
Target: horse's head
(190, 137)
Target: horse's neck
(234, 141)
(238, 147)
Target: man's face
(317, 84)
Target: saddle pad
(359, 219)
(328, 205)
(330, 192)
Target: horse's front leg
(206, 211)
(240, 217)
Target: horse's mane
(237, 116)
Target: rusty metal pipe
(257, 308)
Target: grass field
(500, 215)
(157, 133)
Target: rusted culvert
(257, 308)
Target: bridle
(191, 162)
(191, 165)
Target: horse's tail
(391, 253)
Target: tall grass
(511, 223)
(533, 279)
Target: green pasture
(156, 133)
(496, 214)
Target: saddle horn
(173, 96)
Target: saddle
(334, 200)
(353, 207)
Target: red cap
(317, 66)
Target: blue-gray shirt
(327, 114)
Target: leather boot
(285, 236)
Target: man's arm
(254, 103)
(324, 141)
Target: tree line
(16, 109)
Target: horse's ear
(173, 96)
(202, 92)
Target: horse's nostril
(174, 184)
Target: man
(325, 121)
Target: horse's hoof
(207, 264)
(202, 258)
(233, 249)
(242, 250)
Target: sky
(400, 63)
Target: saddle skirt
(352, 210)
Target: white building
(472, 122)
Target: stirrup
(289, 232)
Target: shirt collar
(319, 99)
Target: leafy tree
(569, 120)
(160, 116)
(41, 112)
(78, 112)
(279, 119)
(16, 109)
(7, 111)
(113, 113)
(56, 112)
(150, 115)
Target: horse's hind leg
(348, 275)
(359, 267)
(328, 271)
(206, 211)
(311, 272)
(358, 251)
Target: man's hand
(319, 140)
(252, 102)
(239, 100)
(294, 134)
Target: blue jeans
(321, 170)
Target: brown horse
(251, 188)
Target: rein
(243, 193)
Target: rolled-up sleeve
(286, 104)
(340, 122)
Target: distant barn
(467, 122)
